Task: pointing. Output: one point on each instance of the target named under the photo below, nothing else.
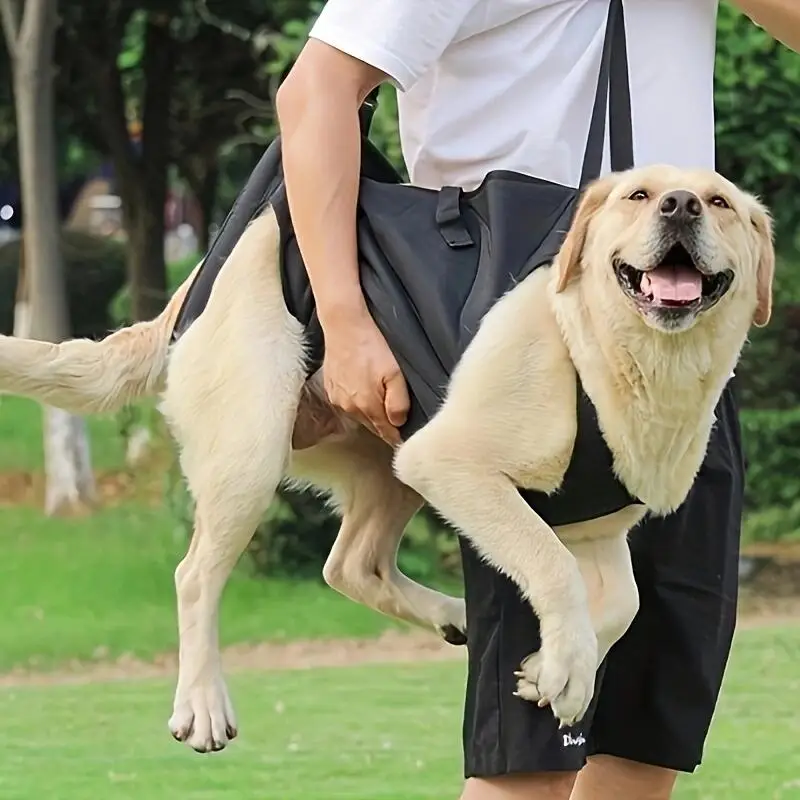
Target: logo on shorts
(573, 741)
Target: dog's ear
(765, 270)
(568, 260)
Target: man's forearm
(321, 160)
(780, 18)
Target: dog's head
(678, 246)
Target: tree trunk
(68, 463)
(22, 303)
(69, 479)
(204, 188)
(143, 176)
(147, 272)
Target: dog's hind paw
(562, 673)
(453, 635)
(451, 622)
(203, 718)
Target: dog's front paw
(203, 717)
(562, 673)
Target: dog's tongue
(673, 284)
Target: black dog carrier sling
(434, 262)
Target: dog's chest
(657, 452)
(590, 488)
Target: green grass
(362, 733)
(21, 437)
(104, 583)
(101, 586)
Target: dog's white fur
(234, 390)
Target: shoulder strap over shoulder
(367, 111)
(613, 82)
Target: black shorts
(658, 687)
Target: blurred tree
(9, 154)
(758, 146)
(120, 61)
(166, 82)
(29, 29)
(758, 117)
(74, 157)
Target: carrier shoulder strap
(367, 111)
(613, 96)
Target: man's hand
(318, 113)
(780, 18)
(362, 376)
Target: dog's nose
(681, 206)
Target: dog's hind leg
(233, 385)
(233, 457)
(375, 510)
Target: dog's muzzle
(678, 286)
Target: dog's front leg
(486, 506)
(605, 563)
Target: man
(489, 84)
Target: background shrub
(95, 272)
(177, 273)
(772, 447)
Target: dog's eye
(719, 201)
(639, 195)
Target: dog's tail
(86, 377)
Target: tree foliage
(167, 84)
(758, 117)
(94, 273)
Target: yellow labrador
(649, 302)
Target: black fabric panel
(260, 184)
(432, 263)
(265, 185)
(428, 298)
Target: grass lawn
(21, 437)
(101, 586)
(361, 733)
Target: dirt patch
(393, 647)
(25, 488)
(770, 583)
(113, 487)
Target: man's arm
(780, 18)
(354, 46)
(318, 108)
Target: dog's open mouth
(674, 283)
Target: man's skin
(317, 109)
(780, 18)
(603, 778)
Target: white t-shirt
(509, 84)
